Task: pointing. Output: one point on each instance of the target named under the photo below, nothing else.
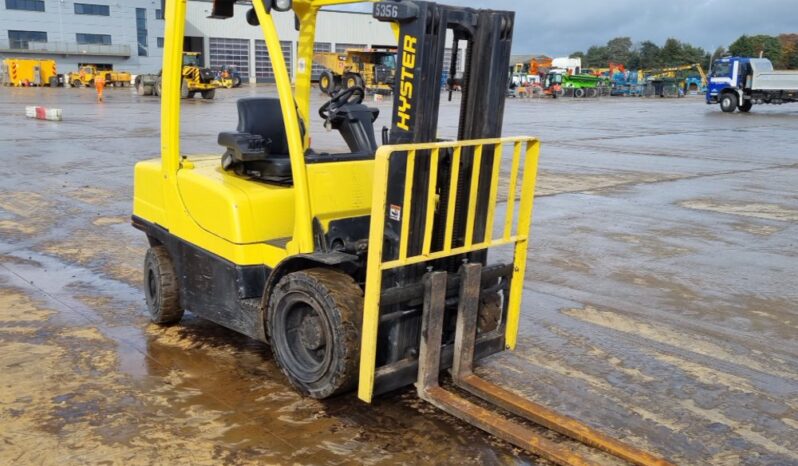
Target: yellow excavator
(369, 269)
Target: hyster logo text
(406, 82)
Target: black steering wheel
(351, 95)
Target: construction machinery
(559, 83)
(195, 79)
(374, 268)
(673, 78)
(607, 72)
(373, 70)
(86, 75)
(626, 84)
(20, 72)
(228, 76)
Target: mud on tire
(313, 321)
(161, 288)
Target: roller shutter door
(264, 73)
(232, 52)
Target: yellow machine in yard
(26, 72)
(373, 70)
(195, 79)
(86, 75)
(371, 269)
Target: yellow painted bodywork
(22, 71)
(229, 216)
(237, 215)
(88, 73)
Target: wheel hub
(152, 286)
(310, 333)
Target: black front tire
(728, 102)
(161, 288)
(745, 107)
(313, 320)
(352, 80)
(209, 94)
(327, 82)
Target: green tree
(619, 50)
(577, 54)
(644, 55)
(753, 46)
(742, 47)
(649, 53)
(692, 54)
(671, 53)
(596, 56)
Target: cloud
(560, 28)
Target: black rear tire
(161, 288)
(728, 102)
(579, 92)
(313, 320)
(209, 94)
(745, 107)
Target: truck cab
(725, 77)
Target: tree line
(782, 50)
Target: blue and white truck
(739, 83)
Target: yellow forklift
(368, 269)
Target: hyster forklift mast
(423, 30)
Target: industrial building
(123, 35)
(129, 36)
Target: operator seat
(259, 148)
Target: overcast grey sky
(558, 28)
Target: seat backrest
(263, 116)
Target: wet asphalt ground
(660, 305)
